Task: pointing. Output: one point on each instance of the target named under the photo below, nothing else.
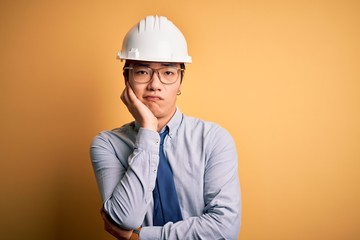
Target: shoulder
(125, 134)
(207, 132)
(204, 126)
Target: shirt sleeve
(126, 175)
(222, 213)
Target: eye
(169, 72)
(141, 71)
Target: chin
(156, 110)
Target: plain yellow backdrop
(282, 76)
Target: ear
(179, 91)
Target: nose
(155, 83)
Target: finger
(104, 215)
(102, 211)
(132, 97)
(125, 97)
(105, 219)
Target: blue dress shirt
(203, 158)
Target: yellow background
(282, 76)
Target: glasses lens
(169, 74)
(142, 74)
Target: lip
(153, 98)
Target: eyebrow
(168, 64)
(141, 64)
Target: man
(165, 175)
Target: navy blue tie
(166, 203)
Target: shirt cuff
(150, 233)
(148, 140)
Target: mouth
(153, 98)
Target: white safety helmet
(155, 39)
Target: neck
(162, 121)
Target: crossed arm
(127, 192)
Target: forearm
(127, 185)
(132, 195)
(221, 218)
(203, 227)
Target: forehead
(153, 64)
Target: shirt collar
(174, 122)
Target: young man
(165, 175)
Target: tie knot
(163, 135)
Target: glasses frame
(157, 71)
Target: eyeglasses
(143, 74)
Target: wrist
(135, 234)
(151, 126)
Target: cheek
(173, 94)
(137, 90)
(176, 88)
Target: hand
(111, 227)
(138, 110)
